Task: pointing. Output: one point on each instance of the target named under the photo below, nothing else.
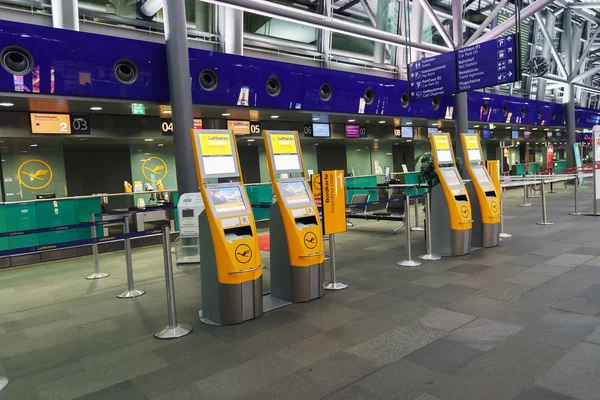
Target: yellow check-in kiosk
(451, 219)
(297, 252)
(230, 265)
(485, 201)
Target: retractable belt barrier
(136, 211)
(56, 228)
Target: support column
(65, 14)
(550, 24)
(401, 61)
(460, 99)
(325, 35)
(416, 29)
(231, 28)
(569, 96)
(181, 94)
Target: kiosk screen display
(227, 199)
(294, 192)
(451, 177)
(285, 153)
(217, 154)
(480, 174)
(444, 157)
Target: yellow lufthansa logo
(34, 174)
(157, 168)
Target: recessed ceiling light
(351, 120)
(146, 154)
(409, 140)
(7, 104)
(274, 116)
(226, 114)
(434, 124)
(160, 145)
(486, 98)
(508, 127)
(33, 145)
(167, 111)
(251, 140)
(95, 108)
(23, 151)
(475, 126)
(409, 123)
(148, 140)
(534, 129)
(316, 118)
(382, 122)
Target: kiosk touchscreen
(450, 205)
(485, 199)
(230, 268)
(297, 252)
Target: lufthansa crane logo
(318, 182)
(464, 211)
(34, 174)
(494, 206)
(243, 253)
(310, 240)
(154, 169)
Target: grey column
(569, 96)
(181, 94)
(65, 14)
(325, 35)
(416, 28)
(550, 24)
(231, 28)
(460, 99)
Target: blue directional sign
(432, 76)
(488, 64)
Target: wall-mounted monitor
(407, 132)
(486, 134)
(558, 134)
(515, 135)
(352, 131)
(471, 131)
(548, 135)
(321, 130)
(527, 134)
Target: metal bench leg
(399, 227)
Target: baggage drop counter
(451, 219)
(297, 252)
(485, 199)
(230, 264)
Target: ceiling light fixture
(382, 122)
(33, 145)
(351, 120)
(274, 116)
(226, 114)
(96, 108)
(409, 123)
(316, 118)
(160, 145)
(7, 104)
(251, 140)
(148, 140)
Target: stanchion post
(173, 330)
(429, 256)
(409, 262)
(333, 283)
(544, 220)
(3, 382)
(416, 201)
(503, 234)
(576, 212)
(97, 274)
(526, 202)
(131, 291)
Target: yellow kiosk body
(230, 265)
(486, 229)
(450, 208)
(297, 252)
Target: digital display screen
(474, 155)
(227, 199)
(471, 131)
(217, 154)
(352, 131)
(451, 177)
(50, 124)
(486, 134)
(515, 135)
(558, 134)
(444, 157)
(593, 119)
(321, 130)
(407, 132)
(480, 174)
(548, 135)
(527, 135)
(294, 192)
(285, 152)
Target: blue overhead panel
(432, 77)
(486, 64)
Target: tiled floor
(519, 321)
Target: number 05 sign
(333, 198)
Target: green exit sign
(138, 109)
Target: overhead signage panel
(487, 64)
(432, 76)
(51, 124)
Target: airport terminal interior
(299, 200)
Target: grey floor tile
(444, 356)
(372, 303)
(575, 305)
(483, 334)
(233, 333)
(189, 392)
(444, 295)
(528, 279)
(469, 268)
(593, 337)
(406, 292)
(569, 260)
(291, 387)
(428, 396)
(353, 392)
(445, 320)
(592, 251)
(538, 393)
(311, 350)
(592, 294)
(337, 371)
(531, 260)
(440, 279)
(572, 374)
(523, 356)
(504, 291)
(121, 391)
(475, 305)
(550, 270)
(562, 329)
(395, 344)
(483, 381)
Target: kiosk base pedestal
(482, 235)
(444, 240)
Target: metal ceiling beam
(586, 74)
(369, 12)
(436, 22)
(274, 10)
(550, 41)
(487, 21)
(347, 6)
(527, 12)
(584, 5)
(586, 50)
(578, 12)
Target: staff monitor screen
(481, 175)
(227, 199)
(294, 192)
(450, 175)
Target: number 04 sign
(333, 198)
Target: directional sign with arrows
(432, 76)
(488, 64)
